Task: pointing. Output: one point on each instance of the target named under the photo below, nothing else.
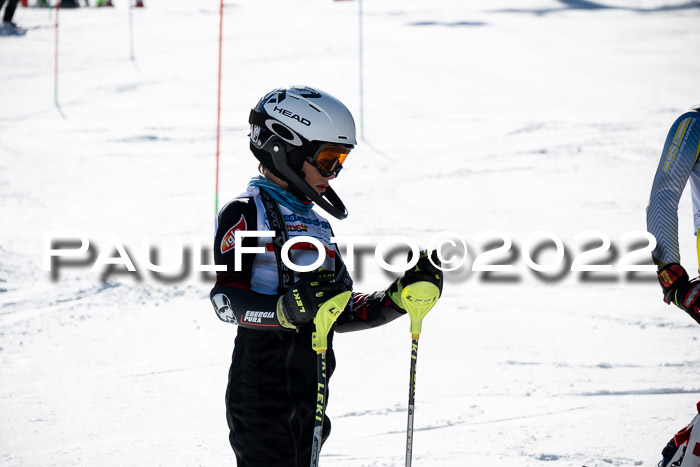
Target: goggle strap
(256, 118)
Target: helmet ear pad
(265, 158)
(264, 127)
(296, 158)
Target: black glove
(424, 270)
(301, 303)
(687, 298)
(680, 291)
(672, 277)
(668, 452)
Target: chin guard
(329, 202)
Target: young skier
(301, 137)
(678, 165)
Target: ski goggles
(329, 159)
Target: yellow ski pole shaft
(417, 298)
(325, 318)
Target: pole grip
(418, 299)
(325, 318)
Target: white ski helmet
(292, 125)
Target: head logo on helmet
(293, 116)
(283, 136)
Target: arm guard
(679, 156)
(233, 300)
(245, 308)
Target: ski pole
(418, 298)
(325, 318)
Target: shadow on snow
(450, 24)
(589, 5)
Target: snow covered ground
(501, 115)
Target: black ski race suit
(272, 382)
